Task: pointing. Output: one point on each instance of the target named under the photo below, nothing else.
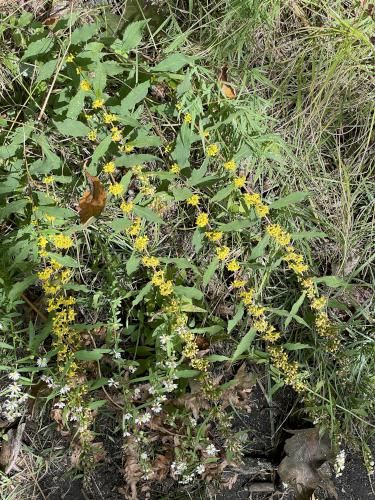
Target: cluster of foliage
(192, 261)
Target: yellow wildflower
(214, 235)
(127, 148)
(230, 165)
(298, 268)
(193, 200)
(271, 334)
(187, 118)
(252, 199)
(69, 58)
(319, 303)
(66, 274)
(280, 236)
(233, 266)
(49, 179)
(261, 325)
(88, 117)
(168, 148)
(109, 167)
(238, 283)
(141, 243)
(200, 364)
(256, 311)
(212, 150)
(98, 103)
(45, 274)
(150, 261)
(247, 297)
(62, 241)
(116, 134)
(55, 265)
(92, 135)
(85, 85)
(202, 219)
(178, 106)
(222, 252)
(166, 288)
(175, 168)
(127, 206)
(262, 210)
(135, 228)
(116, 189)
(79, 70)
(42, 241)
(49, 218)
(109, 118)
(239, 182)
(158, 278)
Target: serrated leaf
(197, 240)
(209, 272)
(46, 70)
(181, 194)
(38, 48)
(136, 95)
(131, 38)
(172, 63)
(13, 207)
(132, 264)
(83, 33)
(245, 344)
(72, 128)
(119, 224)
(290, 199)
(76, 104)
(20, 287)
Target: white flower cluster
(11, 408)
(339, 464)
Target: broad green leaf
(94, 405)
(172, 63)
(260, 248)
(331, 281)
(72, 128)
(132, 264)
(209, 272)
(217, 357)
(136, 95)
(187, 373)
(58, 212)
(20, 287)
(236, 318)
(296, 346)
(14, 207)
(223, 193)
(93, 355)
(38, 48)
(245, 344)
(148, 141)
(148, 214)
(141, 294)
(64, 260)
(10, 185)
(83, 33)
(119, 224)
(181, 194)
(189, 292)
(236, 225)
(131, 38)
(197, 240)
(47, 70)
(76, 104)
(4, 345)
(290, 199)
(99, 152)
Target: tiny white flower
(60, 405)
(42, 362)
(211, 450)
(78, 409)
(73, 418)
(126, 434)
(64, 389)
(200, 469)
(15, 390)
(137, 393)
(144, 456)
(156, 408)
(116, 354)
(132, 369)
(193, 422)
(14, 376)
(128, 416)
(113, 383)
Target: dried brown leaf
(93, 201)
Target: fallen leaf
(306, 452)
(93, 201)
(225, 88)
(132, 469)
(10, 448)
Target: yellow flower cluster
(175, 168)
(191, 350)
(233, 266)
(109, 167)
(254, 200)
(281, 236)
(239, 182)
(140, 243)
(289, 370)
(150, 261)
(92, 135)
(212, 150)
(202, 219)
(62, 241)
(214, 236)
(165, 287)
(193, 200)
(127, 206)
(134, 229)
(116, 189)
(230, 165)
(85, 86)
(98, 103)
(116, 134)
(222, 252)
(109, 118)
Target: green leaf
(295, 308)
(331, 281)
(307, 235)
(99, 152)
(245, 344)
(76, 104)
(197, 240)
(97, 404)
(217, 357)
(173, 63)
(59, 212)
(236, 318)
(38, 48)
(148, 214)
(260, 248)
(290, 199)
(209, 272)
(131, 160)
(297, 346)
(223, 193)
(181, 194)
(136, 95)
(72, 128)
(14, 207)
(4, 345)
(142, 293)
(46, 70)
(83, 33)
(119, 224)
(19, 287)
(187, 373)
(132, 264)
(189, 292)
(131, 38)
(64, 260)
(93, 355)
